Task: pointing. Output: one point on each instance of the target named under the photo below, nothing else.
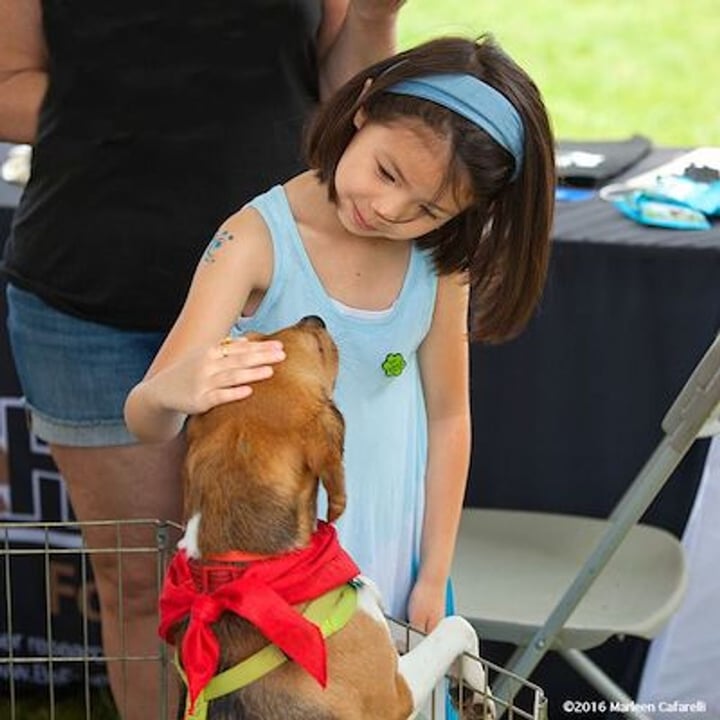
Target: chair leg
(505, 688)
(595, 676)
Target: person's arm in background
(23, 74)
(353, 35)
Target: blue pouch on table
(696, 194)
(656, 210)
(679, 202)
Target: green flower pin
(394, 364)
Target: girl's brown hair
(502, 241)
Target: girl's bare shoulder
(242, 244)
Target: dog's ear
(325, 441)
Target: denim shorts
(75, 374)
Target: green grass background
(607, 69)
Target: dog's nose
(313, 320)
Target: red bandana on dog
(264, 595)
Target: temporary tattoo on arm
(221, 237)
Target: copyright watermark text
(581, 707)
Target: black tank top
(162, 117)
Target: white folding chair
(543, 581)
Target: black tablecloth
(565, 415)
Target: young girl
(432, 182)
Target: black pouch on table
(593, 163)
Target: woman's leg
(130, 481)
(75, 375)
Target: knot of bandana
(205, 610)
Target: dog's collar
(216, 569)
(236, 556)
(212, 571)
(330, 612)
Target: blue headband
(476, 101)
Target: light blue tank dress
(379, 393)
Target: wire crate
(52, 663)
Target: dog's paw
(472, 704)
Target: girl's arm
(353, 35)
(444, 366)
(192, 372)
(23, 76)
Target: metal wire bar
(85, 634)
(9, 624)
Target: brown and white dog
(251, 481)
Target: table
(565, 415)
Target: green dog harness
(330, 612)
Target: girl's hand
(219, 374)
(427, 604)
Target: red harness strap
(263, 592)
